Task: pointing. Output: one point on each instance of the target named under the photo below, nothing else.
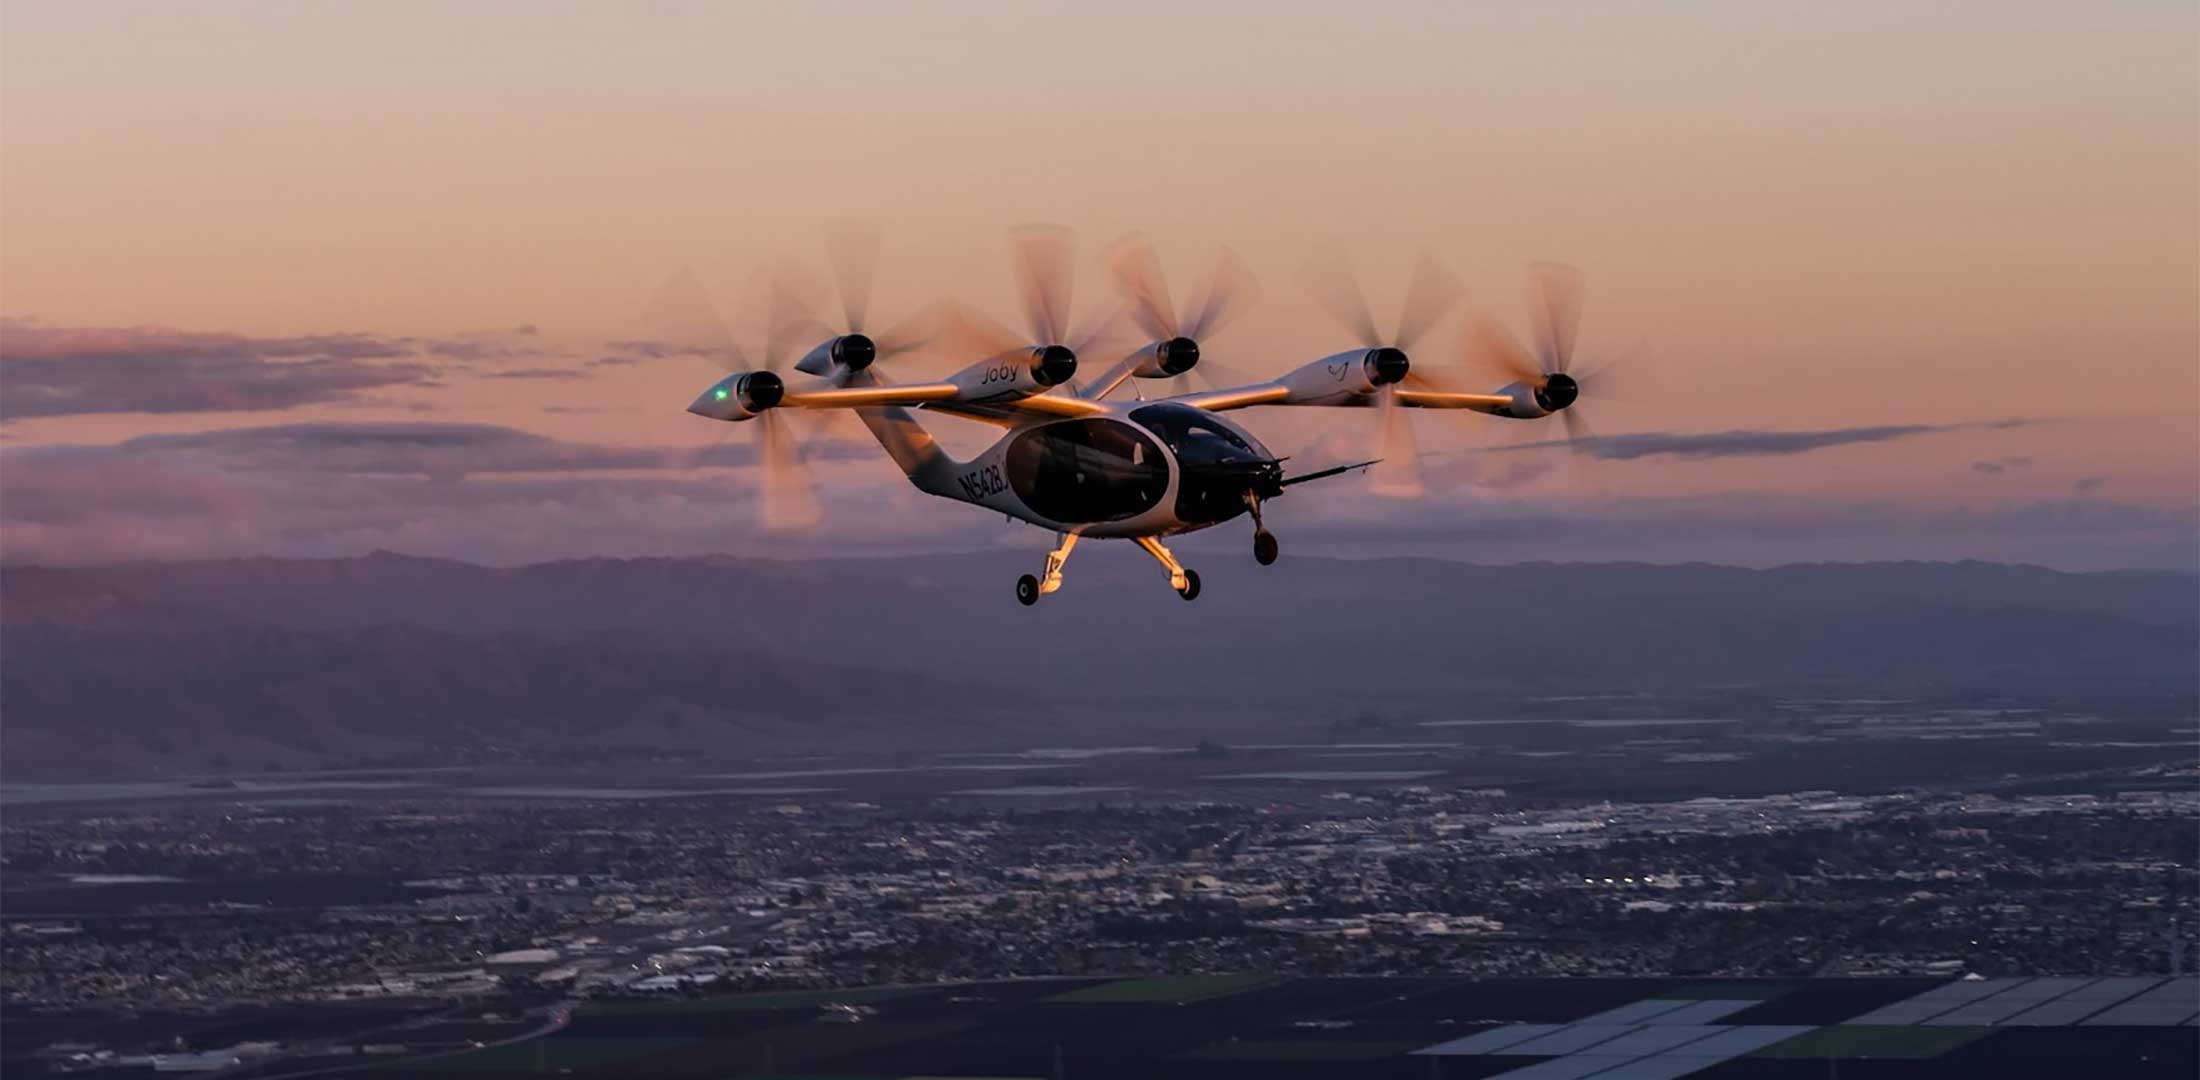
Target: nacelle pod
(1529, 401)
(1167, 359)
(1014, 375)
(852, 351)
(1332, 379)
(740, 397)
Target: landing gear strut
(1265, 548)
(1185, 582)
(1029, 589)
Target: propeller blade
(683, 317)
(791, 319)
(1613, 378)
(1399, 474)
(790, 499)
(1578, 432)
(1045, 262)
(1492, 347)
(1431, 293)
(1102, 329)
(1137, 272)
(1330, 280)
(1229, 291)
(853, 248)
(975, 332)
(1556, 312)
(910, 334)
(1211, 374)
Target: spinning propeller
(1043, 259)
(852, 249)
(1176, 340)
(684, 317)
(1554, 302)
(1430, 293)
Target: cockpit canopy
(1219, 463)
(1200, 438)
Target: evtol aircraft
(1074, 460)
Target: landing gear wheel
(1190, 591)
(1027, 590)
(1265, 547)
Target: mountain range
(172, 667)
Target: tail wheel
(1265, 548)
(1027, 590)
(1190, 591)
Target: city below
(383, 919)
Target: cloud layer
(83, 370)
(497, 494)
(1746, 442)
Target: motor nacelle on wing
(1357, 373)
(1167, 359)
(852, 351)
(740, 397)
(1555, 393)
(1015, 375)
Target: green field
(1908, 1041)
(1165, 990)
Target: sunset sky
(1894, 280)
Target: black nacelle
(1178, 355)
(1557, 392)
(1053, 366)
(854, 351)
(760, 390)
(1386, 366)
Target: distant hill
(126, 667)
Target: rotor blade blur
(791, 319)
(1490, 346)
(1137, 272)
(682, 316)
(1222, 376)
(853, 248)
(841, 426)
(911, 334)
(1555, 297)
(1579, 435)
(1399, 473)
(1045, 261)
(1430, 295)
(1613, 378)
(790, 500)
(1329, 279)
(1228, 292)
(1102, 329)
(973, 334)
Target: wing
(1236, 397)
(1492, 404)
(944, 397)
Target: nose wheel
(1265, 548)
